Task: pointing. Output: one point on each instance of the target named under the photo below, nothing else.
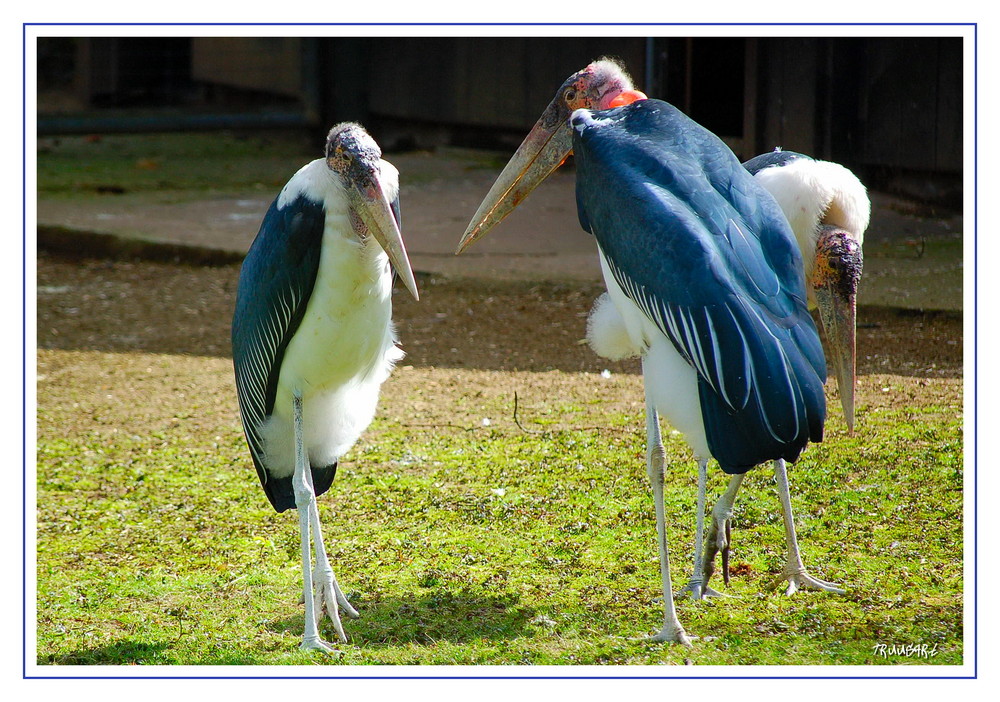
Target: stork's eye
(339, 158)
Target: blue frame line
(24, 348)
(975, 346)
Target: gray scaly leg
(327, 589)
(655, 456)
(794, 572)
(304, 501)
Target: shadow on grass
(123, 652)
(455, 617)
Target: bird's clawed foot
(341, 599)
(329, 598)
(673, 633)
(315, 643)
(798, 579)
(699, 590)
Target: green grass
(468, 544)
(169, 165)
(195, 165)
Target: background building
(889, 108)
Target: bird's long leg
(697, 585)
(794, 572)
(304, 500)
(718, 537)
(327, 589)
(655, 458)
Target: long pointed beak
(373, 208)
(547, 145)
(839, 316)
(836, 274)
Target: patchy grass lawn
(524, 539)
(71, 166)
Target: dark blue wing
(276, 280)
(772, 158)
(396, 214)
(707, 254)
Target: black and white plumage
(828, 210)
(703, 274)
(691, 241)
(313, 338)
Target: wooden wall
(869, 102)
(502, 82)
(262, 64)
(912, 105)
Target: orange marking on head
(626, 97)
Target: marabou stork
(313, 338)
(703, 274)
(828, 210)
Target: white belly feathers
(345, 346)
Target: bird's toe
(696, 588)
(798, 578)
(315, 643)
(673, 634)
(712, 593)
